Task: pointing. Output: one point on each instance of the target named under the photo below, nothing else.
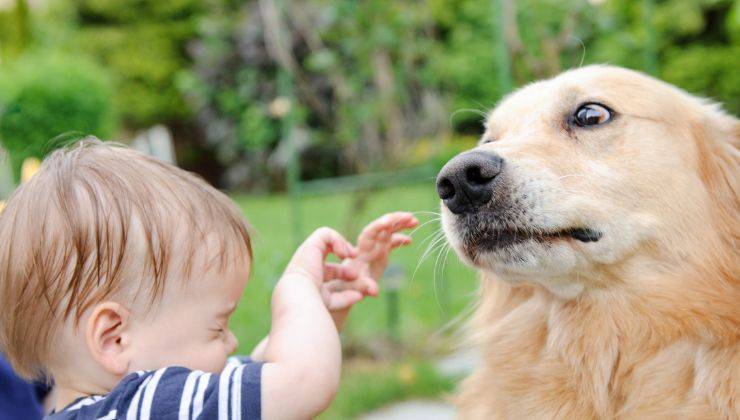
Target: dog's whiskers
(433, 213)
(438, 236)
(422, 225)
(446, 248)
(442, 250)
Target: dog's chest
(544, 363)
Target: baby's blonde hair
(96, 219)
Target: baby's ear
(105, 336)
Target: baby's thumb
(344, 299)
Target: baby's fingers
(344, 299)
(364, 285)
(403, 220)
(400, 220)
(392, 222)
(370, 286)
(399, 239)
(330, 241)
(334, 271)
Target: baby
(118, 276)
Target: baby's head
(112, 262)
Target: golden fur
(644, 323)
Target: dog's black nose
(465, 182)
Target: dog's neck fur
(593, 344)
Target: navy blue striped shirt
(177, 393)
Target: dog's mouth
(496, 239)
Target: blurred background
(331, 112)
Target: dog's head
(587, 171)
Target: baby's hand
(374, 245)
(310, 259)
(378, 239)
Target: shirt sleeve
(180, 393)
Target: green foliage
(699, 49)
(697, 43)
(367, 388)
(437, 153)
(15, 31)
(366, 80)
(355, 72)
(255, 130)
(44, 95)
(143, 45)
(710, 71)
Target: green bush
(43, 96)
(144, 45)
(706, 70)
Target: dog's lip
(504, 237)
(585, 234)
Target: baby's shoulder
(175, 392)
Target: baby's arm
(303, 352)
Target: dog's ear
(717, 137)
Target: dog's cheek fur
(718, 157)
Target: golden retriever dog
(601, 207)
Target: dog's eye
(591, 114)
(485, 140)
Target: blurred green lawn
(430, 300)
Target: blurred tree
(697, 43)
(702, 54)
(15, 30)
(356, 68)
(46, 94)
(373, 77)
(143, 44)
(372, 80)
(542, 36)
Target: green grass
(367, 386)
(427, 301)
